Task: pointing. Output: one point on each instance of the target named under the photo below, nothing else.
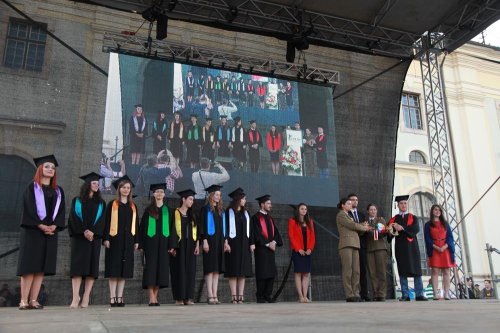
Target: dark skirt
(301, 264)
(275, 156)
(37, 252)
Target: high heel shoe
(113, 302)
(35, 305)
(24, 305)
(241, 299)
(211, 300)
(120, 303)
(234, 299)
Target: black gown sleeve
(412, 230)
(143, 229)
(107, 221)
(137, 223)
(173, 240)
(257, 236)
(29, 218)
(75, 225)
(203, 228)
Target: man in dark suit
(359, 217)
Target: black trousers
(264, 289)
(254, 157)
(364, 289)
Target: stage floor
(479, 316)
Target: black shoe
(113, 302)
(352, 299)
(379, 299)
(270, 300)
(421, 298)
(366, 299)
(157, 304)
(120, 302)
(404, 299)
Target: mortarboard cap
(122, 179)
(186, 193)
(236, 119)
(401, 198)
(194, 116)
(263, 198)
(49, 158)
(138, 106)
(213, 188)
(208, 119)
(90, 177)
(223, 116)
(239, 192)
(160, 186)
(252, 121)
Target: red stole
(250, 134)
(409, 223)
(263, 225)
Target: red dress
(439, 259)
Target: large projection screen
(296, 162)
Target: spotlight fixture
(232, 13)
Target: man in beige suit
(349, 249)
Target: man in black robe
(254, 140)
(407, 250)
(266, 239)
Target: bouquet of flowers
(290, 160)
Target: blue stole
(78, 210)
(211, 222)
(228, 133)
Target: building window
(417, 157)
(25, 45)
(420, 205)
(411, 111)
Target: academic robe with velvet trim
(239, 260)
(37, 251)
(119, 257)
(213, 261)
(183, 264)
(156, 258)
(265, 265)
(84, 253)
(407, 252)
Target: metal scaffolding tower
(428, 49)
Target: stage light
(290, 51)
(251, 69)
(210, 62)
(223, 65)
(171, 5)
(161, 27)
(232, 13)
(238, 67)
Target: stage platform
(479, 316)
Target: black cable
(9, 252)
(63, 43)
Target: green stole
(165, 227)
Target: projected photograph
(191, 127)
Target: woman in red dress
(440, 249)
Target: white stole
(232, 224)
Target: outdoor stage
(391, 316)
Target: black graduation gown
(37, 251)
(407, 253)
(175, 140)
(239, 140)
(223, 136)
(192, 143)
(156, 257)
(183, 265)
(119, 257)
(239, 261)
(160, 128)
(321, 158)
(84, 254)
(137, 144)
(213, 261)
(265, 265)
(208, 140)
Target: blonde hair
(209, 200)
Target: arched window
(15, 176)
(420, 205)
(417, 157)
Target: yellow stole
(113, 229)
(178, 227)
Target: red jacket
(295, 236)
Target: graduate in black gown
(239, 244)
(223, 138)
(120, 238)
(85, 226)
(184, 246)
(154, 237)
(159, 133)
(213, 236)
(42, 218)
(239, 142)
(138, 131)
(266, 239)
(193, 142)
(175, 136)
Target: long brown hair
(190, 212)
(85, 193)
(220, 204)
(152, 209)
(444, 223)
(39, 175)
(307, 218)
(118, 195)
(235, 204)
